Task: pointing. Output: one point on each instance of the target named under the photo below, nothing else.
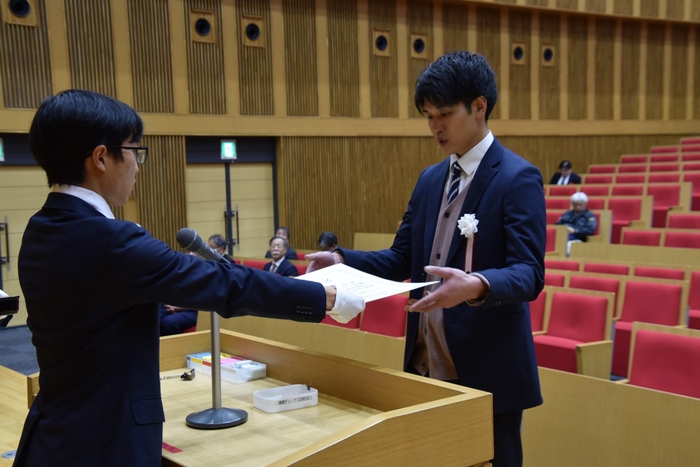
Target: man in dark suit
(284, 233)
(474, 327)
(279, 264)
(566, 175)
(92, 285)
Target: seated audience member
(279, 265)
(580, 222)
(565, 176)
(4, 319)
(284, 233)
(175, 319)
(217, 243)
(327, 241)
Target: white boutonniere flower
(467, 225)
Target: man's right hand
(322, 259)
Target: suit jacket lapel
(483, 176)
(436, 185)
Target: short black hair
(284, 242)
(328, 239)
(219, 240)
(70, 125)
(565, 164)
(285, 230)
(456, 77)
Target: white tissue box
(285, 398)
(233, 369)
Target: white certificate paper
(365, 285)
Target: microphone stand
(216, 417)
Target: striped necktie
(453, 190)
(273, 267)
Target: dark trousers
(508, 448)
(175, 323)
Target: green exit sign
(2, 152)
(228, 150)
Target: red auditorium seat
(634, 159)
(643, 237)
(631, 178)
(596, 203)
(562, 190)
(598, 179)
(657, 149)
(595, 190)
(601, 284)
(553, 216)
(664, 177)
(561, 202)
(301, 268)
(648, 302)
(694, 301)
(301, 256)
(666, 362)
(562, 264)
(632, 168)
(686, 239)
(628, 190)
(663, 158)
(237, 261)
(557, 280)
(694, 178)
(352, 324)
(690, 140)
(690, 156)
(659, 272)
(607, 268)
(190, 329)
(255, 263)
(386, 316)
(537, 311)
(602, 168)
(623, 210)
(574, 319)
(551, 239)
(684, 221)
(665, 197)
(691, 166)
(664, 167)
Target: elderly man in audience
(580, 222)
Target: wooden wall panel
(383, 70)
(578, 67)
(596, 6)
(537, 3)
(300, 57)
(149, 34)
(550, 88)
(255, 63)
(694, 11)
(696, 84)
(455, 33)
(654, 71)
(488, 44)
(623, 7)
(679, 77)
(90, 49)
(604, 68)
(343, 60)
(507, 1)
(160, 188)
(419, 18)
(675, 9)
(205, 62)
(25, 63)
(567, 4)
(519, 26)
(631, 35)
(649, 8)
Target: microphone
(190, 241)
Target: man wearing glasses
(92, 286)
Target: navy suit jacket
(285, 269)
(92, 287)
(491, 345)
(574, 179)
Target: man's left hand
(457, 287)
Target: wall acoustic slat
(604, 68)
(596, 6)
(383, 69)
(160, 188)
(696, 84)
(550, 86)
(90, 45)
(454, 27)
(654, 71)
(694, 11)
(420, 20)
(537, 3)
(680, 35)
(343, 60)
(623, 7)
(255, 63)
(649, 8)
(631, 35)
(149, 31)
(578, 67)
(300, 57)
(25, 63)
(567, 4)
(488, 44)
(519, 25)
(675, 9)
(205, 61)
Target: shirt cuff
(481, 300)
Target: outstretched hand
(457, 287)
(322, 259)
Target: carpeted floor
(17, 351)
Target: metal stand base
(213, 419)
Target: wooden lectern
(366, 415)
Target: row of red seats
(655, 237)
(386, 316)
(690, 165)
(659, 157)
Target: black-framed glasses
(141, 152)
